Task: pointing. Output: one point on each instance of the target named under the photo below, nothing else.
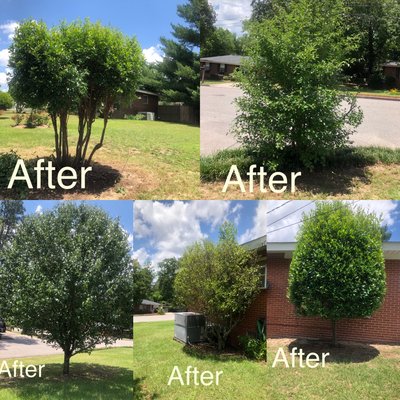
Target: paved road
(14, 345)
(153, 317)
(381, 124)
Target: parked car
(2, 325)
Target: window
(207, 66)
(145, 99)
(263, 277)
(222, 68)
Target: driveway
(153, 317)
(15, 345)
(380, 126)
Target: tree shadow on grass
(140, 392)
(344, 352)
(101, 178)
(204, 351)
(86, 381)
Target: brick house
(281, 320)
(258, 310)
(145, 102)
(220, 66)
(392, 69)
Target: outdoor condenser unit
(189, 327)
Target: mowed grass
(352, 372)
(155, 354)
(155, 159)
(354, 173)
(102, 375)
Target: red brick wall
(383, 326)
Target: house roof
(228, 59)
(147, 92)
(256, 244)
(395, 64)
(149, 303)
(391, 250)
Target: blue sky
(147, 20)
(121, 209)
(165, 229)
(282, 218)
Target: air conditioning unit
(150, 116)
(189, 327)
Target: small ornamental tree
(338, 269)
(291, 104)
(69, 275)
(6, 101)
(79, 67)
(218, 280)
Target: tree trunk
(67, 358)
(334, 339)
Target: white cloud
(172, 227)
(141, 255)
(153, 54)
(4, 57)
(290, 224)
(259, 223)
(9, 28)
(130, 239)
(39, 210)
(232, 13)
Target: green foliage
(36, 118)
(180, 67)
(78, 66)
(136, 117)
(221, 42)
(18, 118)
(290, 84)
(218, 280)
(338, 268)
(253, 348)
(160, 310)
(6, 101)
(11, 215)
(167, 270)
(142, 283)
(7, 165)
(68, 278)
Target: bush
(390, 82)
(7, 165)
(376, 80)
(137, 117)
(160, 310)
(6, 101)
(18, 118)
(36, 119)
(253, 348)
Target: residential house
(392, 69)
(220, 66)
(273, 305)
(145, 102)
(146, 307)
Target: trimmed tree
(70, 277)
(220, 281)
(291, 107)
(338, 269)
(79, 67)
(166, 279)
(142, 283)
(6, 101)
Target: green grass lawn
(357, 372)
(103, 375)
(370, 92)
(155, 354)
(353, 173)
(154, 159)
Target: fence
(179, 113)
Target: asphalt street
(380, 127)
(15, 345)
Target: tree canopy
(142, 283)
(167, 270)
(218, 280)
(180, 68)
(78, 67)
(68, 275)
(6, 101)
(338, 269)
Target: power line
(299, 222)
(286, 202)
(298, 209)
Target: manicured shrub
(6, 101)
(18, 118)
(253, 348)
